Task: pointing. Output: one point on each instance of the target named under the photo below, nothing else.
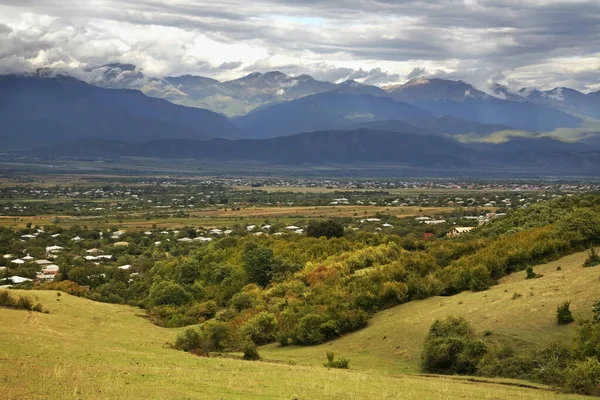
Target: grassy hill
(89, 350)
(393, 340)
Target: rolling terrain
(393, 340)
(73, 352)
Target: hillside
(458, 99)
(42, 110)
(89, 350)
(325, 111)
(393, 340)
(400, 145)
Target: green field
(89, 350)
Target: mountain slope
(458, 99)
(39, 110)
(360, 146)
(406, 147)
(526, 116)
(565, 99)
(455, 126)
(423, 90)
(325, 111)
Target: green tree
(329, 229)
(168, 294)
(563, 313)
(259, 263)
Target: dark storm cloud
(495, 37)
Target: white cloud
(543, 43)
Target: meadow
(89, 350)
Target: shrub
(262, 328)
(250, 352)
(22, 303)
(451, 347)
(583, 377)
(342, 363)
(531, 274)
(587, 340)
(596, 311)
(203, 311)
(188, 340)
(6, 300)
(563, 314)
(593, 258)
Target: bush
(262, 328)
(202, 311)
(563, 314)
(583, 377)
(22, 303)
(188, 340)
(451, 347)
(342, 363)
(593, 258)
(250, 352)
(531, 274)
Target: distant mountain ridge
(325, 111)
(38, 109)
(360, 147)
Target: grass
(393, 340)
(88, 350)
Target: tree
(166, 293)
(563, 314)
(330, 229)
(259, 263)
(451, 347)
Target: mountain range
(38, 110)
(296, 120)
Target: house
(43, 262)
(53, 249)
(422, 219)
(428, 235)
(18, 261)
(28, 258)
(457, 231)
(292, 227)
(18, 279)
(45, 277)
(125, 267)
(50, 269)
(435, 221)
(121, 244)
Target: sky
(519, 43)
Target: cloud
(416, 73)
(375, 41)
